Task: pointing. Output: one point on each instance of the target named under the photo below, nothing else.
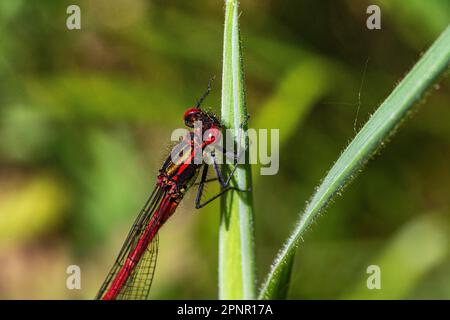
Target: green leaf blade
(372, 136)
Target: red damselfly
(132, 273)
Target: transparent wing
(135, 233)
(138, 284)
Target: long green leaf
(236, 244)
(382, 123)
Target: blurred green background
(86, 117)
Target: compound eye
(191, 115)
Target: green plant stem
(236, 243)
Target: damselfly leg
(224, 189)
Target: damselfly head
(207, 120)
(191, 115)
